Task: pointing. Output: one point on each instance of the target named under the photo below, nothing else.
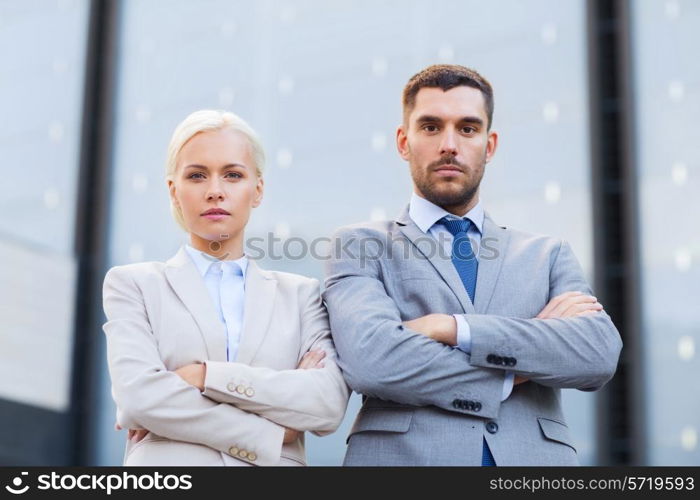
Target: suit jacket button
(231, 387)
(243, 454)
(492, 427)
(252, 456)
(477, 406)
(498, 360)
(457, 403)
(233, 450)
(240, 389)
(491, 359)
(513, 361)
(249, 392)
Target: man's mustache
(447, 160)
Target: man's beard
(449, 198)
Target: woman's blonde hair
(208, 120)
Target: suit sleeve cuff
(464, 336)
(508, 385)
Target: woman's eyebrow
(204, 167)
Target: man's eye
(468, 130)
(430, 128)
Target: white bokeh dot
(676, 91)
(689, 438)
(136, 252)
(282, 230)
(226, 97)
(683, 259)
(679, 173)
(285, 85)
(550, 112)
(378, 141)
(379, 66)
(446, 53)
(51, 198)
(377, 214)
(686, 348)
(672, 9)
(284, 158)
(139, 183)
(56, 131)
(143, 114)
(548, 33)
(552, 192)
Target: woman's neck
(225, 249)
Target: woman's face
(216, 185)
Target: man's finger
(555, 302)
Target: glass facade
(321, 83)
(667, 86)
(42, 49)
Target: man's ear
(491, 145)
(259, 190)
(402, 142)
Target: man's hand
(312, 359)
(570, 304)
(439, 327)
(193, 374)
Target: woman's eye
(196, 175)
(234, 175)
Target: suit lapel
(189, 286)
(443, 266)
(260, 291)
(494, 243)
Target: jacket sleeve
(579, 352)
(151, 397)
(381, 358)
(305, 400)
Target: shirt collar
(203, 261)
(425, 213)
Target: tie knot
(456, 226)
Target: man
(460, 351)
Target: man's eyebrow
(472, 119)
(428, 119)
(434, 119)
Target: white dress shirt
(426, 215)
(225, 280)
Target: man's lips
(448, 170)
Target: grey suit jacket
(426, 403)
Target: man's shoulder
(366, 228)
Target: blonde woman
(213, 360)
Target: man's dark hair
(446, 77)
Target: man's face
(446, 143)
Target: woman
(214, 360)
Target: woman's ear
(173, 193)
(259, 189)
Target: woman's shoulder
(136, 271)
(291, 280)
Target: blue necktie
(467, 266)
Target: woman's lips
(218, 216)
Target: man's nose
(448, 145)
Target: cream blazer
(160, 317)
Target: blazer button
(243, 454)
(458, 404)
(477, 407)
(498, 360)
(233, 450)
(513, 361)
(491, 359)
(249, 392)
(252, 456)
(492, 427)
(231, 387)
(240, 389)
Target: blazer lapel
(189, 286)
(260, 291)
(443, 266)
(494, 243)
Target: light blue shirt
(225, 282)
(426, 215)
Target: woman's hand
(134, 435)
(312, 359)
(193, 374)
